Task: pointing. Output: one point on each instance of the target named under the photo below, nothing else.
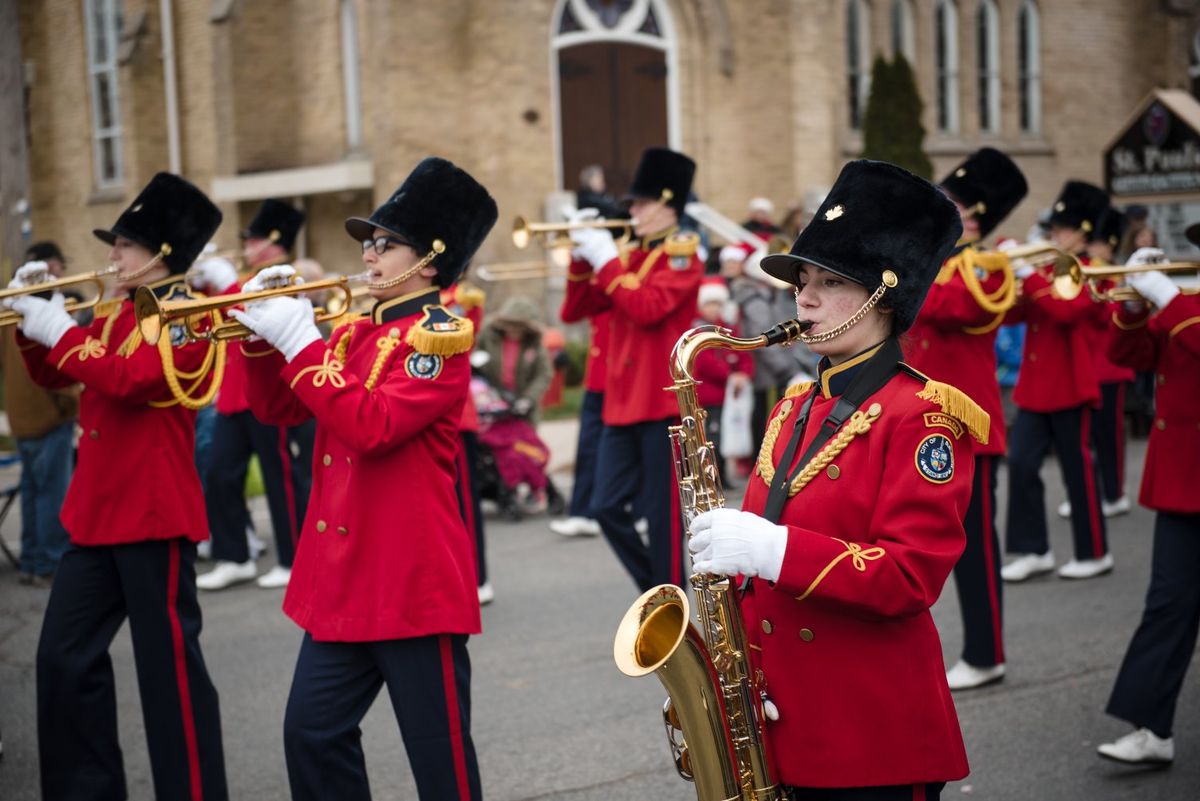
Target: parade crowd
(868, 448)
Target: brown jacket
(33, 411)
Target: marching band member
(853, 519)
(1167, 342)
(134, 512)
(954, 338)
(237, 435)
(384, 580)
(650, 294)
(1055, 394)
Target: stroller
(511, 455)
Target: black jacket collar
(386, 311)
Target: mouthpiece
(787, 331)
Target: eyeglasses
(381, 244)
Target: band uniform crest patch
(943, 420)
(179, 335)
(935, 459)
(423, 365)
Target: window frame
(947, 85)
(351, 86)
(987, 46)
(901, 20)
(98, 69)
(1029, 68)
(857, 30)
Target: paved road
(553, 719)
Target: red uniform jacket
(652, 299)
(954, 340)
(466, 301)
(1057, 369)
(135, 478)
(847, 646)
(1106, 371)
(1169, 344)
(231, 398)
(384, 552)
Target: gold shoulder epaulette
(440, 333)
(958, 404)
(469, 296)
(799, 388)
(684, 243)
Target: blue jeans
(46, 464)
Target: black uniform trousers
(1108, 439)
(1151, 675)
(469, 506)
(153, 584)
(587, 447)
(977, 573)
(634, 470)
(892, 792)
(1029, 441)
(287, 478)
(429, 681)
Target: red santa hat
(712, 291)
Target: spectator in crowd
(761, 222)
(717, 370)
(43, 423)
(517, 361)
(593, 193)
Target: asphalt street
(554, 719)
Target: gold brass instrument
(518, 271)
(11, 317)
(714, 712)
(153, 315)
(360, 301)
(555, 237)
(1068, 285)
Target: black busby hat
(1111, 228)
(438, 202)
(663, 174)
(276, 221)
(169, 216)
(989, 184)
(878, 218)
(44, 251)
(1079, 205)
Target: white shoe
(226, 574)
(1121, 506)
(575, 527)
(204, 549)
(1027, 565)
(257, 547)
(1139, 748)
(642, 526)
(1064, 510)
(964, 676)
(486, 593)
(275, 578)
(1086, 568)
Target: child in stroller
(512, 458)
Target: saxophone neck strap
(873, 375)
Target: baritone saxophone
(714, 710)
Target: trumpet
(97, 278)
(555, 237)
(359, 297)
(153, 315)
(1068, 285)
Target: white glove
(1022, 269)
(522, 406)
(728, 542)
(1144, 256)
(43, 321)
(285, 322)
(593, 245)
(271, 277)
(212, 275)
(29, 273)
(1154, 286)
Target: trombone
(1068, 285)
(97, 277)
(153, 315)
(520, 270)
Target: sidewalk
(560, 437)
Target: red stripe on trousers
(289, 491)
(989, 556)
(677, 534)
(1119, 420)
(466, 497)
(181, 677)
(918, 792)
(453, 717)
(1089, 481)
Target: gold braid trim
(469, 296)
(214, 358)
(386, 345)
(959, 405)
(997, 302)
(799, 388)
(106, 332)
(859, 423)
(343, 345)
(859, 556)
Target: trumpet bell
(521, 236)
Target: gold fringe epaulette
(958, 405)
(440, 333)
(684, 243)
(469, 296)
(799, 388)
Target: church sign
(1158, 153)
